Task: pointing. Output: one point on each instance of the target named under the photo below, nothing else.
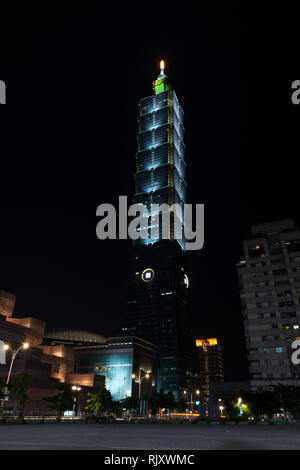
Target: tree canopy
(62, 401)
(100, 402)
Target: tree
(62, 401)
(262, 403)
(232, 405)
(19, 388)
(181, 406)
(100, 402)
(130, 403)
(289, 397)
(2, 394)
(2, 387)
(162, 399)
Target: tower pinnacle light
(162, 70)
(162, 67)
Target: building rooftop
(275, 226)
(76, 335)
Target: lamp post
(14, 353)
(191, 402)
(76, 389)
(140, 380)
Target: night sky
(68, 142)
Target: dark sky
(68, 141)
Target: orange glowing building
(46, 365)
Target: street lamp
(221, 409)
(76, 389)
(14, 353)
(140, 380)
(191, 402)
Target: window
(55, 368)
(282, 282)
(275, 251)
(253, 350)
(277, 261)
(267, 338)
(288, 314)
(292, 245)
(287, 303)
(285, 293)
(279, 350)
(259, 274)
(279, 272)
(256, 251)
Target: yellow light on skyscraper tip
(162, 64)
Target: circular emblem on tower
(147, 275)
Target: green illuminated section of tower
(161, 84)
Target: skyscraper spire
(162, 70)
(161, 83)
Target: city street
(143, 436)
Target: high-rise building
(210, 361)
(269, 280)
(158, 304)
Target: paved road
(143, 436)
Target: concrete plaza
(145, 436)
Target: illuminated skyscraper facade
(158, 304)
(160, 165)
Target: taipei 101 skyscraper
(158, 305)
